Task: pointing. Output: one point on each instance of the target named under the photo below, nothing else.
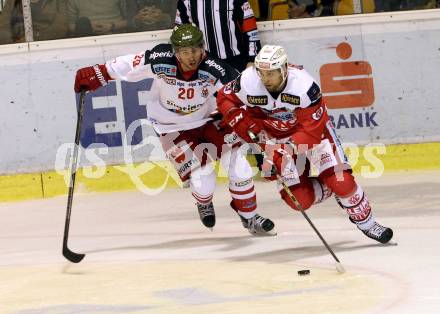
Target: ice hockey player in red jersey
(186, 82)
(282, 105)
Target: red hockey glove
(276, 161)
(238, 119)
(280, 159)
(91, 78)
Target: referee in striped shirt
(229, 28)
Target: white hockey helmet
(272, 57)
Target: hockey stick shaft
(71, 256)
(299, 207)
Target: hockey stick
(70, 255)
(339, 267)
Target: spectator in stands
(325, 8)
(5, 23)
(11, 23)
(297, 10)
(148, 15)
(422, 4)
(304, 8)
(388, 5)
(49, 19)
(97, 17)
(344, 7)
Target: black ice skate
(259, 226)
(379, 233)
(207, 214)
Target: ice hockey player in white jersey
(186, 82)
(282, 105)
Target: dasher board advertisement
(378, 79)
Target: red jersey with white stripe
(298, 113)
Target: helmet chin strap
(283, 82)
(284, 75)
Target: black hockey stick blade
(72, 256)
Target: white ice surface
(150, 254)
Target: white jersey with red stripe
(297, 93)
(176, 103)
(298, 114)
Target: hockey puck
(304, 272)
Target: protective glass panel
(11, 22)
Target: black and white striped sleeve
(248, 26)
(182, 14)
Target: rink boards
(377, 74)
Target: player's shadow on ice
(224, 244)
(239, 245)
(300, 252)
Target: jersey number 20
(186, 93)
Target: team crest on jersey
(166, 69)
(318, 114)
(205, 92)
(257, 100)
(290, 99)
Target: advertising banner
(377, 78)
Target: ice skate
(379, 233)
(259, 226)
(207, 214)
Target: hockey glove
(238, 119)
(91, 78)
(277, 161)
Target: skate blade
(265, 234)
(391, 243)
